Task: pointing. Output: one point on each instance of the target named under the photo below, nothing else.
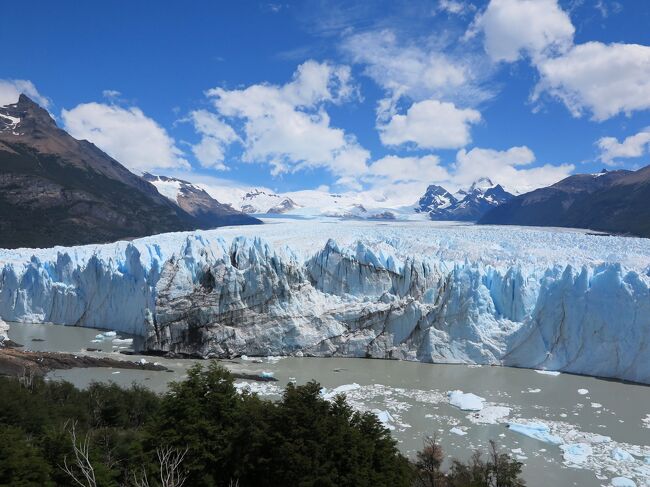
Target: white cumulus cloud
(425, 78)
(404, 179)
(406, 69)
(216, 136)
(507, 168)
(392, 169)
(605, 79)
(633, 146)
(430, 124)
(126, 134)
(602, 79)
(288, 127)
(514, 27)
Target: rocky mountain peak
(435, 197)
(26, 117)
(57, 190)
(468, 205)
(481, 184)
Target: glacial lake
(411, 398)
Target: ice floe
(621, 455)
(465, 401)
(548, 372)
(489, 415)
(538, 431)
(623, 482)
(385, 418)
(576, 453)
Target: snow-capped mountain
(265, 202)
(414, 291)
(197, 202)
(57, 190)
(436, 198)
(308, 203)
(465, 205)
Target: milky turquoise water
(412, 398)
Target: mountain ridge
(57, 190)
(610, 201)
(465, 205)
(197, 202)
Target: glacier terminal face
(539, 298)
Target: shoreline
(19, 363)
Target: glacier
(552, 299)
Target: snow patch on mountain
(314, 203)
(169, 188)
(8, 123)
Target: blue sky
(381, 96)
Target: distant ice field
(450, 242)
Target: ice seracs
(527, 298)
(4, 329)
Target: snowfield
(552, 299)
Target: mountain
(435, 198)
(258, 201)
(466, 205)
(311, 203)
(611, 201)
(198, 203)
(56, 190)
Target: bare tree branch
(81, 470)
(171, 459)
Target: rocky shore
(20, 363)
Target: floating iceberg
(538, 431)
(622, 482)
(331, 394)
(621, 455)
(385, 418)
(457, 431)
(544, 299)
(465, 401)
(489, 415)
(548, 372)
(576, 453)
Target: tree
(80, 468)
(21, 463)
(499, 471)
(203, 415)
(429, 464)
(170, 469)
